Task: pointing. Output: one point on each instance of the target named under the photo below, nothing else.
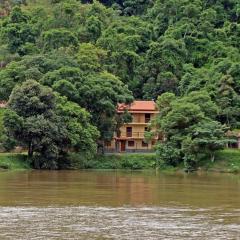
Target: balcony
(141, 120)
(131, 135)
(137, 123)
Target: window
(131, 143)
(129, 131)
(153, 142)
(144, 144)
(147, 117)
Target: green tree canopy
(100, 53)
(189, 129)
(47, 127)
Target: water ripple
(57, 223)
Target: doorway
(123, 146)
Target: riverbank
(14, 161)
(132, 161)
(227, 161)
(1, 122)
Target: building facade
(131, 137)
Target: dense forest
(65, 64)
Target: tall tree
(48, 129)
(189, 129)
(18, 31)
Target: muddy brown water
(118, 205)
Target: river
(99, 205)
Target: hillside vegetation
(62, 57)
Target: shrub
(124, 161)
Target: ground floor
(129, 145)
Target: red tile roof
(138, 106)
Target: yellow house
(131, 135)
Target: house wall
(139, 117)
(138, 125)
(138, 145)
(138, 129)
(111, 145)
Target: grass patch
(13, 161)
(227, 160)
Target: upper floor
(142, 111)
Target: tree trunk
(30, 150)
(100, 147)
(212, 157)
(36, 164)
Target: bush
(42, 162)
(132, 164)
(79, 161)
(168, 155)
(8, 144)
(124, 161)
(13, 161)
(4, 166)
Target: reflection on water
(118, 205)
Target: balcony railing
(140, 120)
(132, 135)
